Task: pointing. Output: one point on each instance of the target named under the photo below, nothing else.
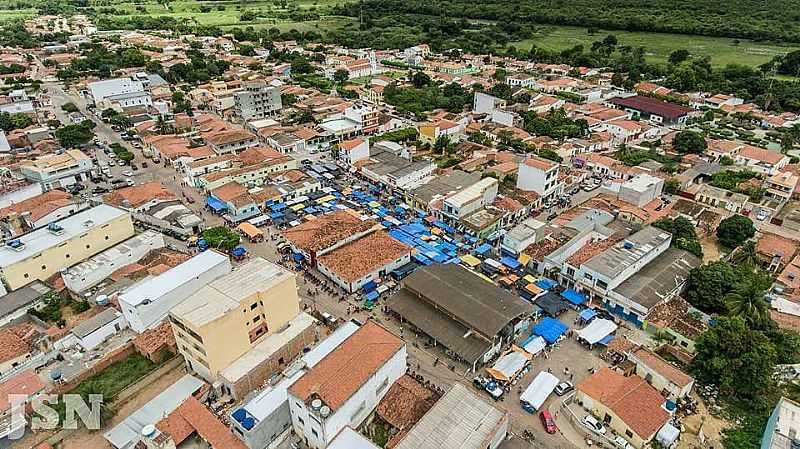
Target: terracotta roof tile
(662, 367)
(26, 382)
(363, 256)
(326, 230)
(192, 416)
(12, 343)
(136, 196)
(772, 245)
(153, 340)
(631, 398)
(405, 403)
(342, 372)
(39, 205)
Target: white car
(127, 174)
(621, 443)
(130, 182)
(594, 425)
(762, 215)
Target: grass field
(723, 51)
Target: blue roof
(369, 286)
(546, 284)
(298, 257)
(278, 207)
(550, 329)
(587, 314)
(510, 262)
(422, 259)
(606, 340)
(483, 249)
(215, 204)
(275, 215)
(371, 296)
(238, 251)
(573, 297)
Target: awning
(277, 207)
(539, 390)
(250, 230)
(550, 329)
(546, 284)
(215, 204)
(369, 286)
(606, 340)
(668, 435)
(587, 314)
(552, 304)
(470, 260)
(483, 249)
(534, 344)
(276, 215)
(298, 257)
(510, 262)
(573, 297)
(524, 259)
(372, 296)
(597, 330)
(528, 278)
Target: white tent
(597, 330)
(535, 346)
(539, 390)
(668, 435)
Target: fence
(112, 357)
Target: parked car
(329, 319)
(547, 421)
(127, 173)
(117, 181)
(594, 425)
(99, 189)
(762, 215)
(130, 182)
(621, 443)
(564, 388)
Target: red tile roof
(326, 230)
(366, 255)
(26, 382)
(136, 196)
(662, 367)
(342, 372)
(631, 398)
(405, 403)
(652, 106)
(39, 205)
(192, 416)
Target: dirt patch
(711, 427)
(711, 249)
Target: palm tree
(747, 301)
(746, 255)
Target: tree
(220, 237)
(708, 285)
(747, 302)
(441, 144)
(683, 234)
(745, 255)
(9, 122)
(340, 76)
(689, 142)
(678, 56)
(734, 357)
(69, 108)
(420, 79)
(247, 50)
(735, 230)
(75, 135)
(672, 186)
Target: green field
(723, 51)
(228, 13)
(14, 14)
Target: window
(587, 276)
(253, 306)
(106, 237)
(66, 255)
(302, 423)
(629, 433)
(25, 275)
(602, 284)
(44, 267)
(88, 246)
(256, 319)
(314, 432)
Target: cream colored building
(229, 316)
(46, 251)
(58, 170)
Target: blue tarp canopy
(483, 249)
(277, 207)
(550, 329)
(573, 297)
(606, 340)
(545, 284)
(215, 204)
(422, 259)
(298, 257)
(371, 296)
(369, 286)
(238, 251)
(510, 262)
(587, 314)
(275, 215)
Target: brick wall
(112, 357)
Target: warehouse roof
(467, 298)
(459, 420)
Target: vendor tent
(483, 249)
(573, 297)
(509, 364)
(546, 284)
(597, 330)
(587, 314)
(668, 435)
(552, 304)
(539, 390)
(534, 344)
(215, 204)
(510, 262)
(550, 329)
(250, 231)
(470, 260)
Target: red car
(547, 421)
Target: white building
(90, 333)
(468, 200)
(352, 151)
(540, 176)
(345, 387)
(121, 90)
(522, 236)
(147, 303)
(58, 170)
(485, 103)
(641, 189)
(87, 274)
(264, 421)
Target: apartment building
(257, 101)
(226, 318)
(539, 175)
(58, 170)
(231, 141)
(40, 254)
(471, 199)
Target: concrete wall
(100, 335)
